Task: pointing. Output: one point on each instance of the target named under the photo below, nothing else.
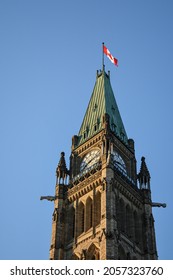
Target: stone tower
(102, 206)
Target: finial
(62, 154)
(142, 159)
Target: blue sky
(49, 54)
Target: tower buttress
(144, 175)
(150, 250)
(58, 224)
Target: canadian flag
(110, 56)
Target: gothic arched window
(70, 223)
(97, 208)
(129, 221)
(138, 228)
(93, 253)
(122, 216)
(81, 214)
(89, 213)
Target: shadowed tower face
(102, 207)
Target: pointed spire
(144, 175)
(61, 170)
(102, 102)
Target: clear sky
(49, 53)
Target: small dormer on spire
(61, 170)
(144, 175)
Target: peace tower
(102, 205)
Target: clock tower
(102, 205)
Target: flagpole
(103, 66)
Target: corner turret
(144, 175)
(61, 170)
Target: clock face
(119, 162)
(90, 159)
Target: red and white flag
(110, 56)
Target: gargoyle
(49, 198)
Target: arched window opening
(93, 253)
(81, 213)
(129, 222)
(138, 228)
(122, 216)
(70, 223)
(89, 213)
(73, 223)
(151, 236)
(97, 208)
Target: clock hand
(90, 161)
(87, 164)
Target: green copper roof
(102, 101)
